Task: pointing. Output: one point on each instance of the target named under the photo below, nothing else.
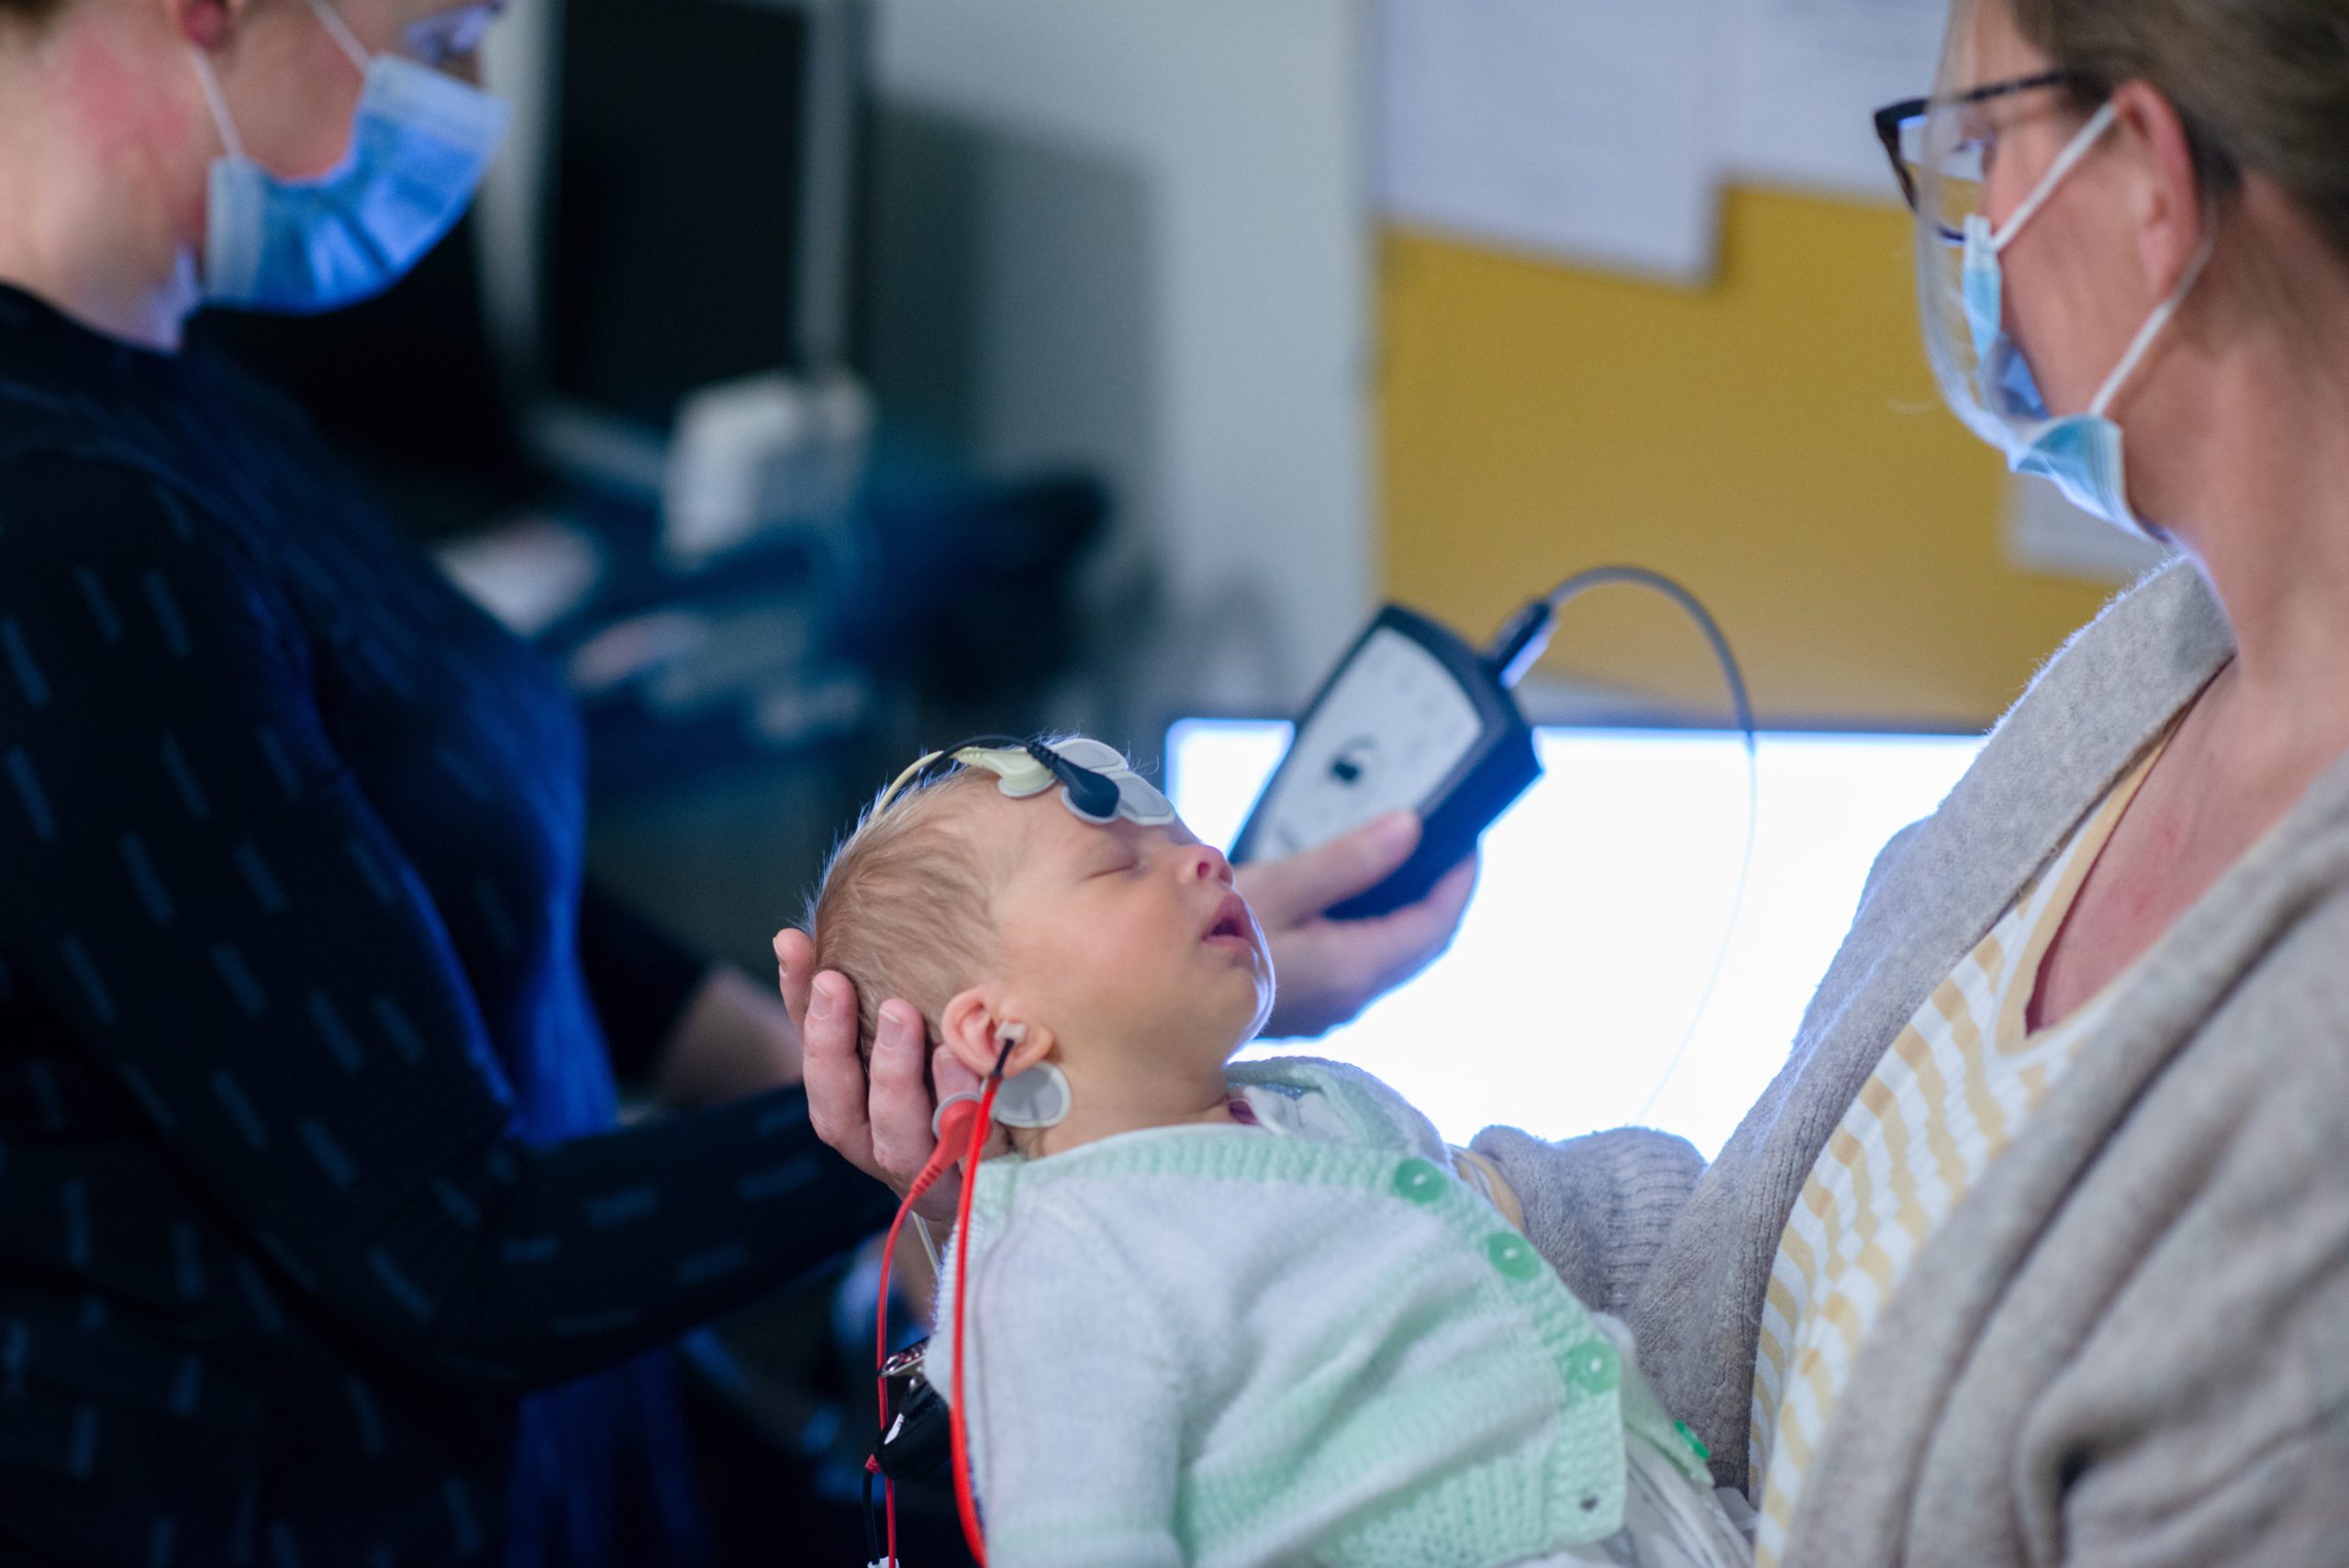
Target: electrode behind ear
(1037, 1098)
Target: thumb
(1287, 892)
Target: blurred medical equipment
(635, 259)
(766, 452)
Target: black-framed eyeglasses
(1896, 124)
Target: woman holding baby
(2037, 1250)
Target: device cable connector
(1521, 640)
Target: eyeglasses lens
(1944, 166)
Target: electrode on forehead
(1096, 782)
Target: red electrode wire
(979, 1117)
(956, 1429)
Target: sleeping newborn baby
(1223, 1313)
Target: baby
(1218, 1313)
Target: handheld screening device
(1412, 719)
(1416, 719)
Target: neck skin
(104, 178)
(1111, 1097)
(2241, 437)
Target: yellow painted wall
(1773, 440)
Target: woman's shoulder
(111, 437)
(2119, 679)
(91, 501)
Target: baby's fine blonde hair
(902, 906)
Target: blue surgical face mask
(2081, 452)
(420, 145)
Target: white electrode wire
(1741, 705)
(929, 1247)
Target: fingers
(1287, 892)
(901, 1104)
(1330, 969)
(948, 1076)
(1418, 934)
(795, 962)
(835, 1078)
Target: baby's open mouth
(1231, 922)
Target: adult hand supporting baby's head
(880, 1121)
(1327, 971)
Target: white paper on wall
(1805, 78)
(1585, 130)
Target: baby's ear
(976, 1030)
(967, 1026)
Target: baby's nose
(1211, 865)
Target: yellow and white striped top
(1946, 1100)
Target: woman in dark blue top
(317, 1244)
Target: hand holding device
(1329, 970)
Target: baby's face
(1124, 938)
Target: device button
(1594, 1367)
(1512, 1255)
(1419, 1181)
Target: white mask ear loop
(2066, 162)
(360, 54)
(215, 100)
(218, 106)
(2159, 320)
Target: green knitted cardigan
(1513, 1504)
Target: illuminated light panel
(1603, 898)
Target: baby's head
(1119, 952)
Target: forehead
(1990, 48)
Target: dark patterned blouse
(317, 1244)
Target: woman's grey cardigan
(2129, 1344)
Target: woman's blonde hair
(2263, 84)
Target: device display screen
(1392, 730)
(1604, 895)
